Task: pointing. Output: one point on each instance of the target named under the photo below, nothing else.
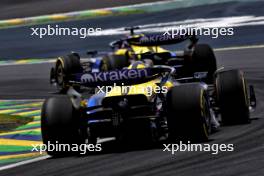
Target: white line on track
(239, 48)
(24, 162)
(21, 163)
(146, 4)
(198, 23)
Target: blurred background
(25, 8)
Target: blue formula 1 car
(137, 47)
(146, 105)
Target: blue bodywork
(96, 65)
(95, 100)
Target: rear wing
(119, 77)
(155, 40)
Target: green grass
(11, 122)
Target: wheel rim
(60, 75)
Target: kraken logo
(87, 78)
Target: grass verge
(11, 122)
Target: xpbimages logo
(58, 147)
(124, 74)
(57, 30)
(189, 147)
(148, 90)
(214, 32)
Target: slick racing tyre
(188, 113)
(114, 62)
(232, 96)
(66, 66)
(59, 124)
(203, 60)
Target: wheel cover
(60, 75)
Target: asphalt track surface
(247, 159)
(26, 8)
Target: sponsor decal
(155, 38)
(159, 39)
(124, 74)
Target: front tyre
(232, 97)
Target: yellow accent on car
(169, 84)
(139, 66)
(144, 88)
(120, 52)
(84, 103)
(145, 49)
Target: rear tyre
(189, 115)
(232, 96)
(66, 66)
(59, 124)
